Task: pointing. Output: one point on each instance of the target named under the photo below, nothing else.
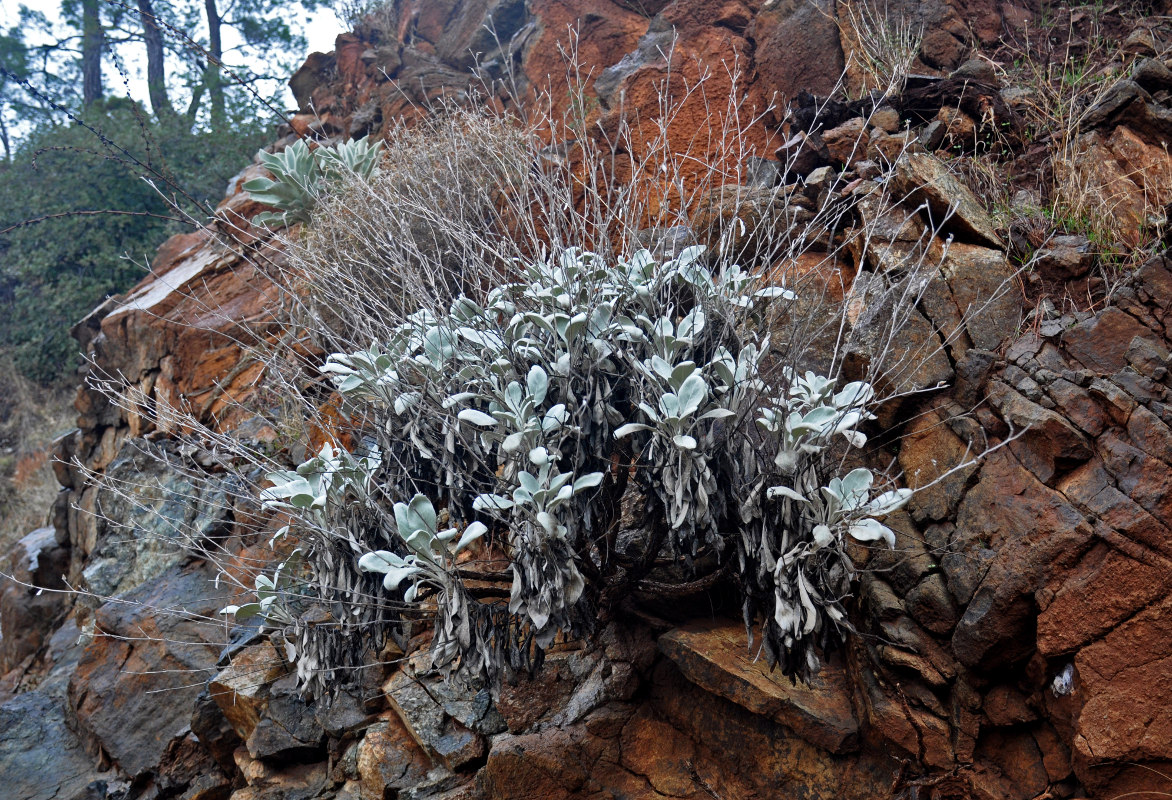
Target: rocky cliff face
(1017, 644)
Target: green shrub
(82, 221)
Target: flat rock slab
(40, 758)
(429, 723)
(923, 178)
(715, 655)
(135, 685)
(241, 690)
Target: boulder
(892, 344)
(1106, 588)
(133, 689)
(40, 757)
(1014, 534)
(983, 286)
(716, 656)
(389, 758)
(300, 782)
(241, 690)
(1016, 770)
(801, 154)
(549, 765)
(654, 749)
(28, 615)
(287, 730)
(743, 222)
(797, 47)
(847, 143)
(315, 72)
(740, 753)
(929, 451)
(1128, 171)
(1065, 258)
(1050, 444)
(951, 206)
(1100, 342)
(144, 513)
(431, 726)
(1125, 682)
(190, 320)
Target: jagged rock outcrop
(1015, 645)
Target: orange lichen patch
(813, 274)
(227, 408)
(28, 466)
(348, 50)
(332, 425)
(602, 29)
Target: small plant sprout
(272, 594)
(432, 551)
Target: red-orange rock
(241, 690)
(1104, 589)
(815, 277)
(797, 48)
(548, 765)
(27, 615)
(524, 700)
(847, 143)
(751, 755)
(1007, 706)
(1128, 174)
(200, 313)
(1101, 342)
(1125, 683)
(657, 751)
(132, 691)
(389, 759)
(1049, 442)
(1013, 762)
(925, 179)
(929, 451)
(716, 656)
(1033, 533)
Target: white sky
(320, 29)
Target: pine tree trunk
(213, 75)
(91, 52)
(156, 68)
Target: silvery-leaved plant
(811, 413)
(301, 175)
(333, 470)
(272, 594)
(534, 410)
(546, 581)
(430, 563)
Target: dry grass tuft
(881, 46)
(1063, 70)
(416, 230)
